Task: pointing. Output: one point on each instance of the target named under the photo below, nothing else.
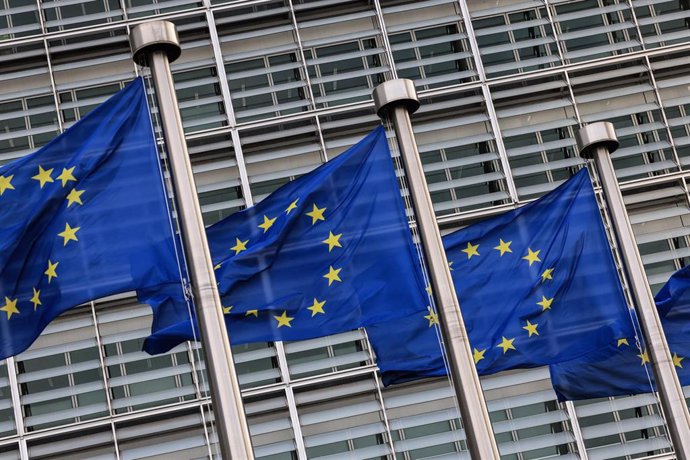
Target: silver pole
(156, 44)
(396, 99)
(598, 141)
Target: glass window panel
(590, 29)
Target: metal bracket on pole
(396, 99)
(156, 44)
(598, 141)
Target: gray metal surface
(395, 99)
(231, 424)
(595, 141)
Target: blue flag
(326, 253)
(626, 367)
(83, 217)
(536, 285)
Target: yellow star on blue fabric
(432, 317)
(66, 175)
(36, 299)
(503, 247)
(316, 214)
(644, 357)
(622, 341)
(531, 329)
(333, 275)
(254, 313)
(471, 250)
(267, 223)
(51, 271)
(545, 303)
(6, 184)
(506, 344)
(478, 355)
(74, 196)
(239, 246)
(291, 207)
(547, 275)
(677, 360)
(43, 176)
(532, 256)
(317, 307)
(69, 234)
(284, 320)
(227, 310)
(10, 307)
(333, 241)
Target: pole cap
(154, 36)
(595, 135)
(400, 91)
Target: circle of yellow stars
(43, 177)
(315, 214)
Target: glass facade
(269, 90)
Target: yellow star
(227, 310)
(239, 246)
(268, 223)
(503, 246)
(644, 357)
(316, 214)
(284, 320)
(532, 256)
(50, 271)
(545, 303)
(450, 265)
(292, 206)
(70, 234)
(252, 312)
(429, 290)
(531, 328)
(217, 266)
(478, 355)
(333, 275)
(43, 176)
(36, 300)
(622, 341)
(506, 344)
(547, 275)
(10, 307)
(471, 250)
(432, 317)
(677, 359)
(332, 241)
(6, 184)
(74, 197)
(317, 307)
(66, 175)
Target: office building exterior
(270, 89)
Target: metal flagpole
(396, 99)
(598, 141)
(156, 44)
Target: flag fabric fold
(83, 217)
(326, 253)
(536, 285)
(626, 367)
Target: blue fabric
(326, 253)
(623, 370)
(536, 285)
(83, 217)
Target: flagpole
(599, 141)
(156, 44)
(395, 100)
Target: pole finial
(153, 36)
(398, 91)
(594, 135)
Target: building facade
(271, 89)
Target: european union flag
(536, 285)
(83, 217)
(326, 253)
(626, 367)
